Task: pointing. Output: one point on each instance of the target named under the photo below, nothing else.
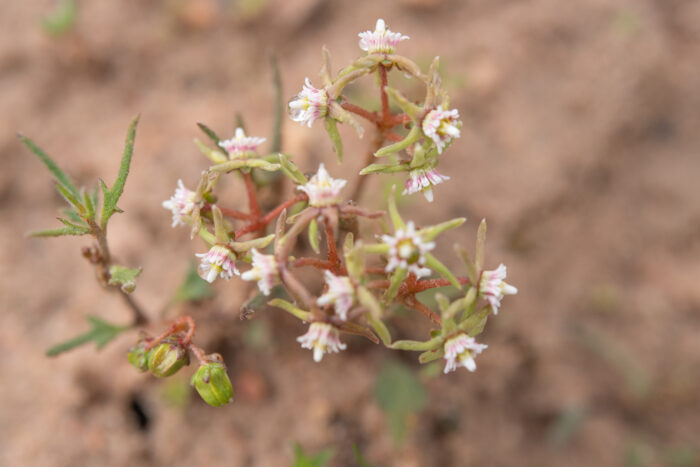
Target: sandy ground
(580, 147)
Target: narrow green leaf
(72, 199)
(314, 236)
(394, 284)
(480, 246)
(51, 165)
(101, 333)
(429, 233)
(380, 328)
(471, 267)
(193, 287)
(210, 133)
(111, 196)
(376, 248)
(393, 210)
(89, 205)
(412, 136)
(384, 168)
(68, 230)
(411, 109)
(220, 230)
(291, 170)
(215, 155)
(289, 307)
(431, 344)
(124, 277)
(334, 135)
(433, 263)
(73, 216)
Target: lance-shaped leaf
(471, 267)
(216, 156)
(101, 333)
(257, 243)
(124, 277)
(314, 236)
(433, 263)
(334, 135)
(474, 325)
(210, 133)
(384, 168)
(480, 245)
(291, 308)
(111, 196)
(69, 229)
(429, 233)
(325, 73)
(376, 248)
(418, 346)
(74, 201)
(62, 178)
(228, 166)
(412, 136)
(343, 79)
(90, 204)
(407, 65)
(220, 228)
(291, 170)
(394, 211)
(431, 355)
(394, 283)
(412, 110)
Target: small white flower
(218, 261)
(407, 251)
(340, 292)
(321, 338)
(309, 105)
(264, 271)
(181, 204)
(241, 145)
(460, 351)
(442, 126)
(492, 287)
(424, 180)
(381, 40)
(322, 189)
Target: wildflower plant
(363, 265)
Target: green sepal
(211, 134)
(213, 384)
(101, 333)
(124, 277)
(433, 263)
(290, 308)
(62, 178)
(291, 170)
(216, 156)
(431, 355)
(418, 346)
(429, 233)
(111, 196)
(395, 282)
(314, 236)
(480, 245)
(412, 136)
(334, 135)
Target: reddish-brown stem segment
(198, 353)
(235, 214)
(415, 303)
(252, 196)
(270, 216)
(357, 110)
(418, 286)
(180, 324)
(333, 257)
(384, 82)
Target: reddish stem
(235, 214)
(252, 196)
(366, 114)
(198, 353)
(178, 325)
(412, 301)
(333, 257)
(386, 110)
(263, 221)
(315, 262)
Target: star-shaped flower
(460, 351)
(381, 40)
(218, 261)
(264, 271)
(309, 105)
(321, 338)
(323, 190)
(241, 146)
(181, 204)
(407, 250)
(442, 126)
(424, 180)
(492, 287)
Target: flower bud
(138, 356)
(212, 384)
(166, 358)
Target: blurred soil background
(580, 146)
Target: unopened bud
(138, 356)
(167, 358)
(212, 383)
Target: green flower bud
(138, 356)
(212, 384)
(166, 358)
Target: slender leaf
(101, 334)
(111, 196)
(480, 245)
(210, 133)
(51, 165)
(314, 236)
(433, 263)
(334, 135)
